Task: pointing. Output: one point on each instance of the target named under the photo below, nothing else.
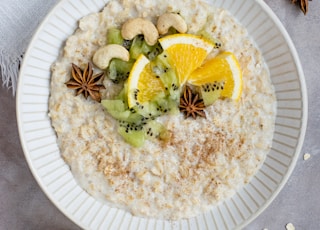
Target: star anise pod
(191, 104)
(303, 5)
(84, 82)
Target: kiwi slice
(136, 47)
(139, 46)
(118, 110)
(162, 61)
(149, 110)
(155, 130)
(217, 43)
(154, 52)
(114, 36)
(171, 31)
(210, 92)
(170, 80)
(138, 123)
(161, 104)
(132, 135)
(137, 134)
(119, 70)
(168, 105)
(163, 70)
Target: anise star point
(303, 5)
(84, 82)
(191, 105)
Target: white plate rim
(295, 55)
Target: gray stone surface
(24, 206)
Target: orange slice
(222, 68)
(186, 52)
(143, 85)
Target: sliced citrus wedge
(143, 84)
(186, 52)
(222, 68)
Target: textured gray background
(24, 206)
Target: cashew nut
(104, 54)
(168, 20)
(136, 26)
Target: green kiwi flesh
(217, 43)
(118, 110)
(134, 137)
(162, 69)
(114, 36)
(210, 92)
(119, 70)
(139, 46)
(154, 129)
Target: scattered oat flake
(290, 226)
(306, 156)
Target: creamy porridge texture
(205, 160)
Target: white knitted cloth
(19, 19)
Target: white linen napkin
(18, 22)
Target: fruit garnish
(119, 70)
(210, 92)
(185, 52)
(119, 110)
(132, 135)
(136, 135)
(142, 99)
(191, 104)
(162, 68)
(139, 46)
(132, 126)
(157, 73)
(84, 82)
(114, 37)
(143, 84)
(217, 43)
(223, 69)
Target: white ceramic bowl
(54, 177)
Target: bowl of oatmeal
(214, 173)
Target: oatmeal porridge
(203, 162)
